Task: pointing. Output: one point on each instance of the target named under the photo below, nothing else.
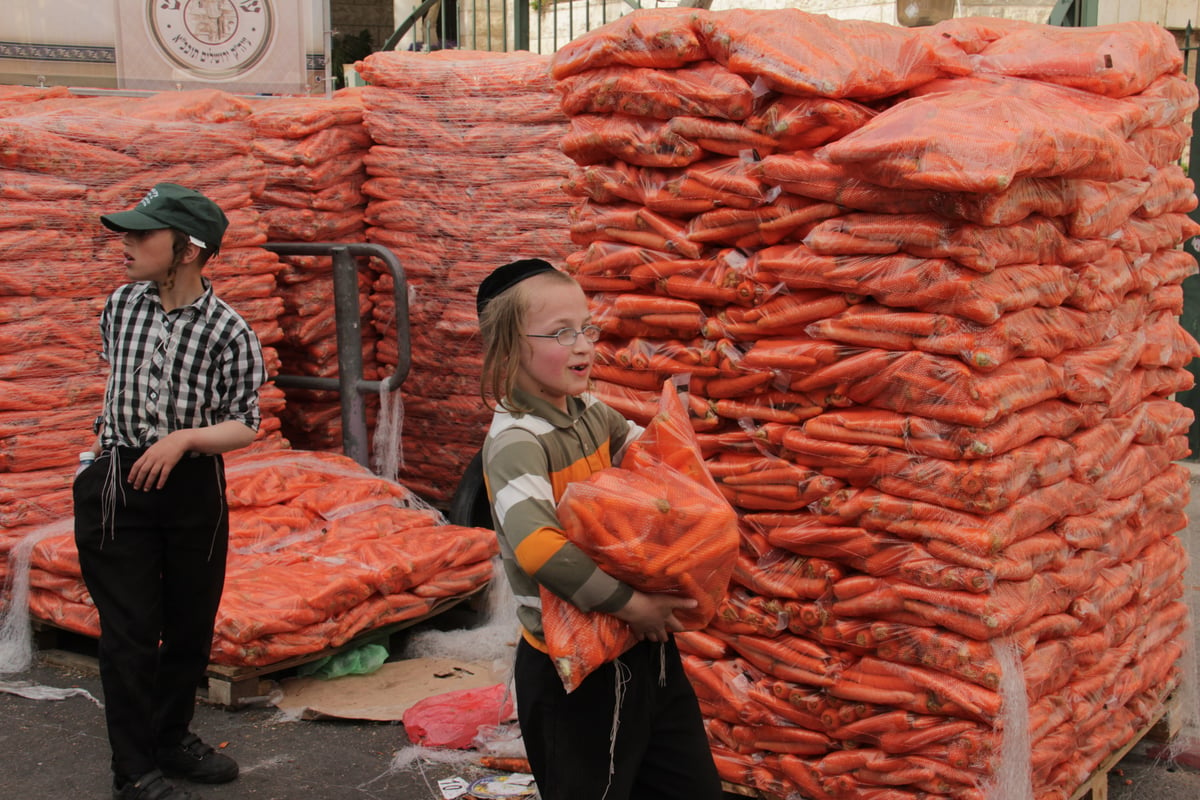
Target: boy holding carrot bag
(632, 728)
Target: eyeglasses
(567, 336)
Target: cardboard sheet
(385, 694)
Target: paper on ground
(385, 694)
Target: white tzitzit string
(621, 675)
(662, 664)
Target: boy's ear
(193, 254)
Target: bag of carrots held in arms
(658, 523)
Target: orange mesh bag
(657, 522)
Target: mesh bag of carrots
(658, 523)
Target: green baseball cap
(169, 205)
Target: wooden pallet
(1162, 727)
(234, 686)
(744, 791)
(227, 686)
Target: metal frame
(350, 382)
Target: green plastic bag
(359, 661)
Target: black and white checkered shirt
(189, 368)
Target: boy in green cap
(151, 520)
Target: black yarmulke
(505, 277)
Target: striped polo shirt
(528, 460)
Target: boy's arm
(155, 465)
(523, 505)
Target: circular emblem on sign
(212, 38)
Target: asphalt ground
(58, 748)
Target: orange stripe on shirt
(579, 470)
(539, 547)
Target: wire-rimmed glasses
(567, 336)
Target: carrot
(774, 699)
(735, 768)
(878, 601)
(595, 138)
(651, 271)
(628, 401)
(607, 259)
(789, 310)
(950, 652)
(822, 541)
(720, 136)
(636, 306)
(725, 224)
(645, 381)
(850, 334)
(736, 386)
(688, 288)
(664, 364)
(647, 239)
(592, 283)
(805, 777)
(782, 739)
(505, 764)
(728, 175)
(857, 366)
(774, 657)
(739, 612)
(762, 409)
(795, 354)
(701, 644)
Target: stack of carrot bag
(463, 175)
(321, 550)
(313, 149)
(924, 287)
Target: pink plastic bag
(453, 719)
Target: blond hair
(502, 326)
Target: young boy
(151, 521)
(632, 730)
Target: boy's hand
(152, 469)
(651, 617)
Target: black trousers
(154, 564)
(659, 751)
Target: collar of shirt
(147, 291)
(549, 412)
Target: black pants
(660, 749)
(154, 564)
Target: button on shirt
(192, 367)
